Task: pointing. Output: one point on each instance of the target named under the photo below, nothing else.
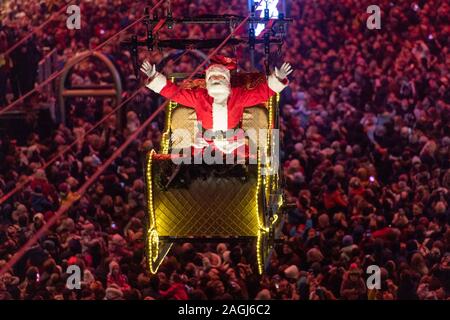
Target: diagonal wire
(58, 73)
(80, 192)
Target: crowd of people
(365, 151)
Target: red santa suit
(211, 113)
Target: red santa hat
(221, 66)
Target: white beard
(219, 90)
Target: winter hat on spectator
(72, 260)
(38, 217)
(113, 292)
(354, 269)
(221, 248)
(314, 255)
(291, 272)
(347, 240)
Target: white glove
(284, 71)
(148, 69)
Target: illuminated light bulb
(273, 12)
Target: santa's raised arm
(218, 106)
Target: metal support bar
(222, 20)
(89, 92)
(206, 239)
(267, 52)
(99, 91)
(193, 43)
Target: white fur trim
(217, 69)
(158, 83)
(220, 116)
(275, 84)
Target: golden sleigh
(215, 203)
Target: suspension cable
(58, 73)
(55, 157)
(22, 184)
(80, 192)
(40, 27)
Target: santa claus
(219, 107)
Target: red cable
(18, 43)
(58, 73)
(28, 179)
(52, 77)
(22, 184)
(66, 205)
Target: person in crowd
(365, 126)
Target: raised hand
(284, 71)
(148, 69)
